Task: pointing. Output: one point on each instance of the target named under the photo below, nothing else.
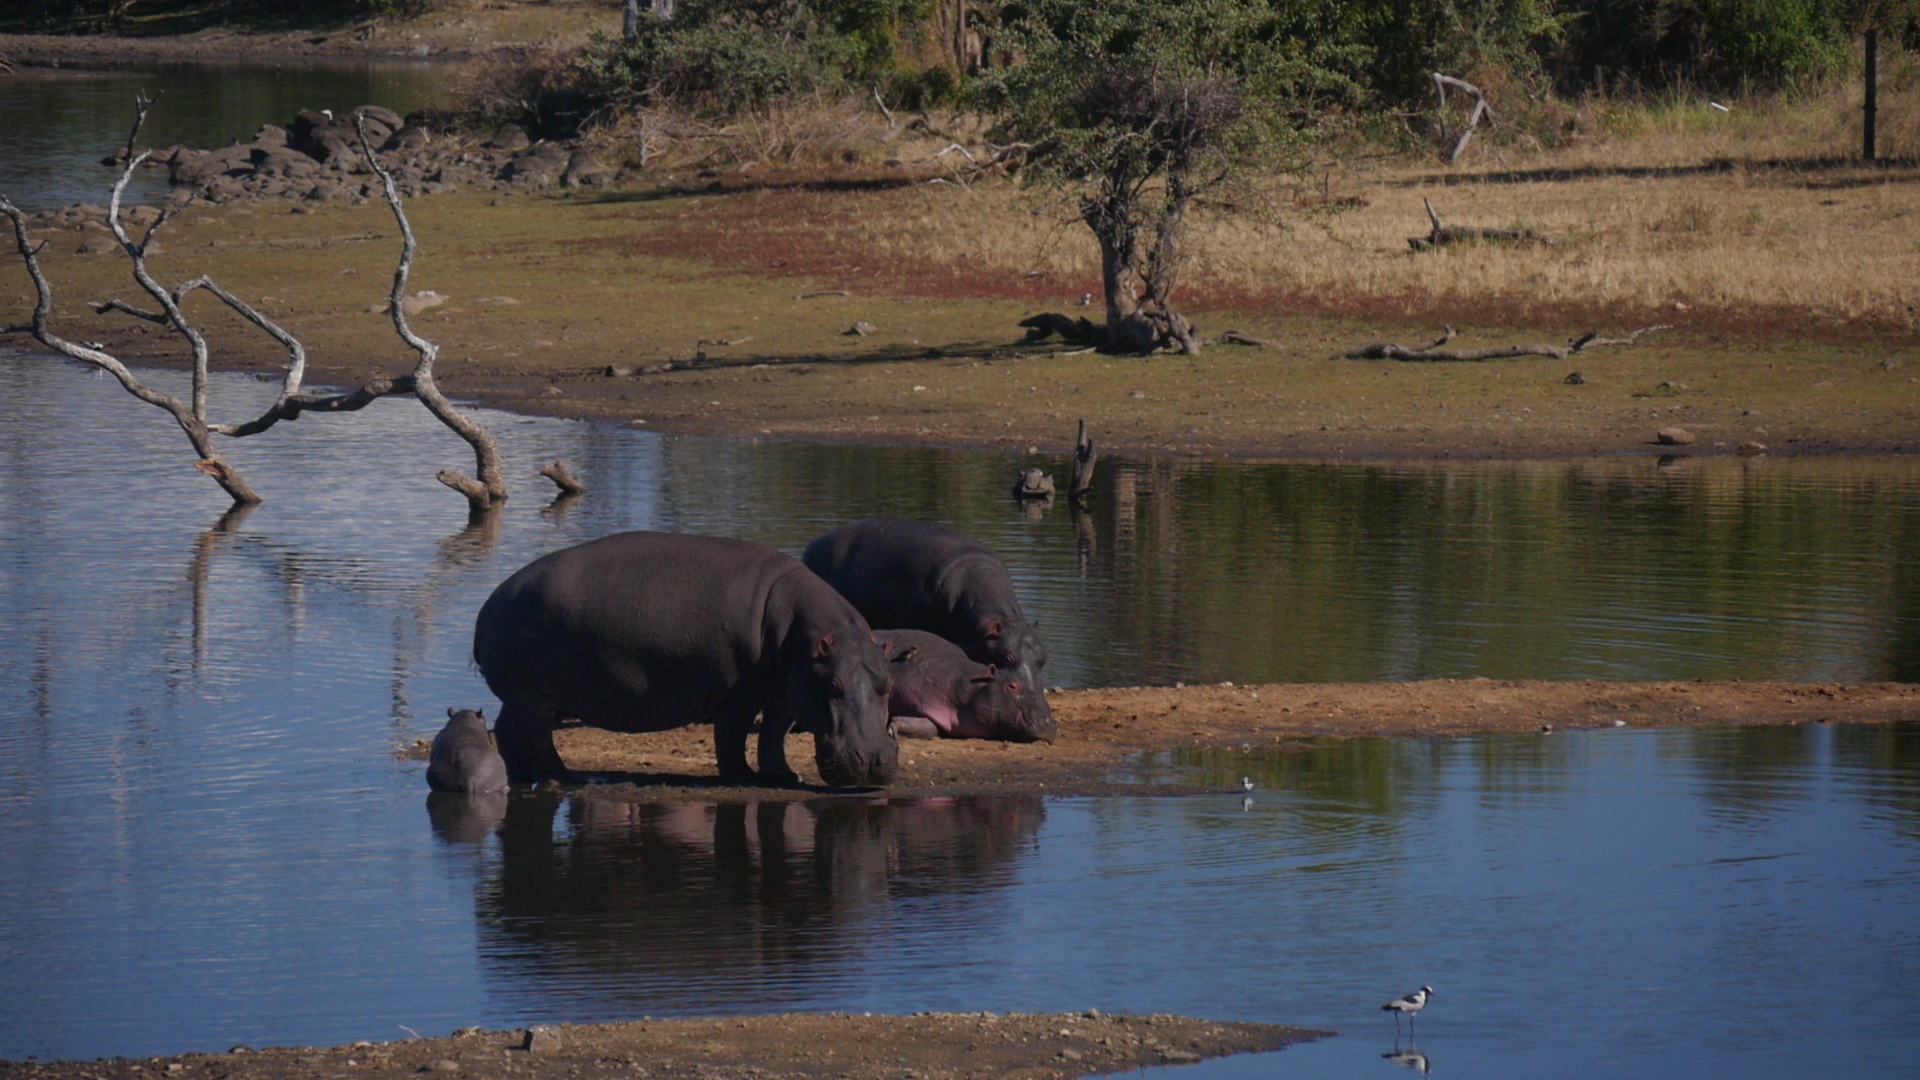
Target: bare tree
(483, 493)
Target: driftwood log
(564, 479)
(293, 400)
(1444, 234)
(1436, 350)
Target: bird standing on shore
(1246, 783)
(1408, 1006)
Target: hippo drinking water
(911, 575)
(464, 761)
(939, 692)
(647, 631)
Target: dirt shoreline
(794, 1046)
(1114, 741)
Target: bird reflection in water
(1411, 1057)
(644, 899)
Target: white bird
(1246, 783)
(1086, 299)
(1408, 1006)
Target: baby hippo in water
(940, 693)
(464, 761)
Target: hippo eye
(1007, 660)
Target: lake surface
(208, 840)
(59, 123)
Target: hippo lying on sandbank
(647, 631)
(940, 692)
(911, 575)
(464, 761)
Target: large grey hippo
(647, 631)
(941, 692)
(911, 575)
(464, 761)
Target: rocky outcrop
(318, 156)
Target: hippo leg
(730, 726)
(524, 734)
(775, 723)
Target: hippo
(941, 692)
(645, 631)
(911, 575)
(464, 761)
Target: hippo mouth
(856, 770)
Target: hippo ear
(449, 712)
(823, 646)
(990, 670)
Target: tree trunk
(630, 20)
(1871, 109)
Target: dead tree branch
(491, 487)
(192, 415)
(1481, 110)
(1083, 459)
(1436, 350)
(1444, 234)
(564, 479)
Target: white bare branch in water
(292, 399)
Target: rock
(541, 166)
(860, 329)
(97, 244)
(584, 170)
(280, 161)
(542, 1039)
(406, 138)
(269, 135)
(224, 189)
(1889, 363)
(334, 149)
(1033, 484)
(1751, 449)
(442, 1065)
(615, 372)
(195, 169)
(1673, 436)
(421, 301)
(509, 137)
(382, 115)
(1070, 1055)
(1575, 379)
(324, 190)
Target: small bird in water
(1408, 1006)
(1246, 803)
(1246, 783)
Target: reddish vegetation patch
(809, 229)
(804, 232)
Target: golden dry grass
(1758, 216)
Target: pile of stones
(319, 157)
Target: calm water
(207, 839)
(55, 126)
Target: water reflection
(703, 905)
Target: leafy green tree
(1137, 108)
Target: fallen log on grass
(1444, 234)
(1436, 350)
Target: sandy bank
(933, 1046)
(1112, 739)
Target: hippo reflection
(660, 894)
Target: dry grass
(1755, 220)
